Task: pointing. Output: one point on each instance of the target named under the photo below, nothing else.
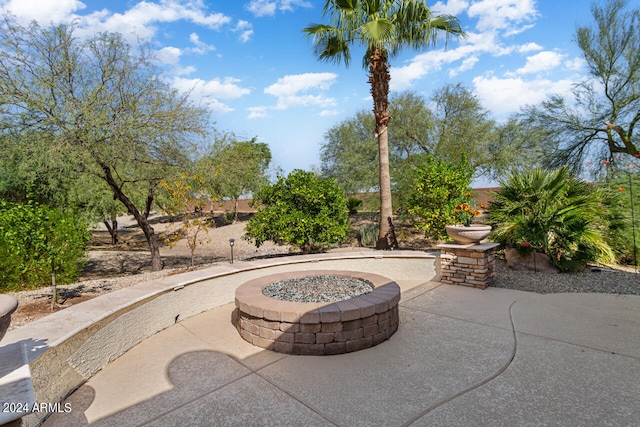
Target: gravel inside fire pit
(317, 289)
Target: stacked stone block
(468, 265)
(318, 328)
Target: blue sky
(249, 62)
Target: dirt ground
(130, 259)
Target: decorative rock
(533, 262)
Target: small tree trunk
(235, 210)
(149, 201)
(54, 289)
(113, 230)
(152, 239)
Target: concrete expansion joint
(477, 385)
(306, 404)
(404, 301)
(178, 408)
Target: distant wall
(480, 195)
(483, 195)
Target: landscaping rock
(533, 262)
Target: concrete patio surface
(461, 357)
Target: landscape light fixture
(231, 243)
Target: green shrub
(367, 235)
(623, 189)
(36, 239)
(555, 213)
(354, 205)
(438, 187)
(302, 210)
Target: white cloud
(45, 12)
(261, 8)
(467, 64)
(200, 46)
(503, 96)
(258, 112)
(529, 47)
(143, 18)
(543, 61)
(291, 90)
(328, 113)
(508, 15)
(496, 19)
(423, 64)
(289, 4)
(451, 7)
(245, 29)
(575, 64)
(169, 55)
(212, 91)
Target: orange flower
(620, 188)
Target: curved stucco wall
(68, 347)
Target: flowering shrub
(524, 248)
(465, 213)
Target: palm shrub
(555, 213)
(302, 210)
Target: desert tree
(601, 121)
(100, 103)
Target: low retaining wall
(68, 347)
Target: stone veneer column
(468, 265)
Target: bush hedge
(36, 240)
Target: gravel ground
(590, 280)
(317, 289)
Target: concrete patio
(461, 357)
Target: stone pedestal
(468, 265)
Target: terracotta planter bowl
(8, 304)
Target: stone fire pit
(318, 328)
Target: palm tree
(383, 28)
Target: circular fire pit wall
(317, 328)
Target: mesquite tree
(100, 103)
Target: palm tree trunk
(379, 79)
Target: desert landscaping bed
(111, 268)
